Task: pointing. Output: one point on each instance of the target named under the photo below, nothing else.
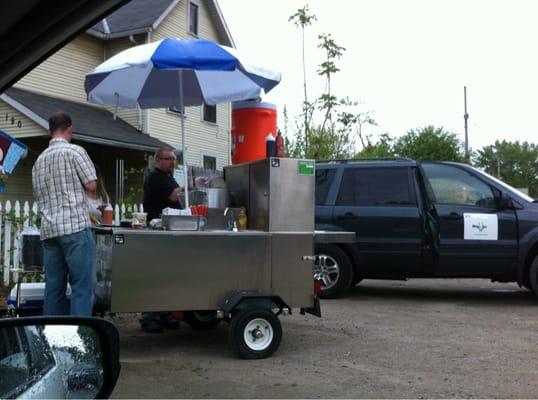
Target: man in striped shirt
(61, 177)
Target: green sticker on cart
(306, 167)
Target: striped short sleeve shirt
(58, 177)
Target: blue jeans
(72, 255)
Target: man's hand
(201, 181)
(174, 196)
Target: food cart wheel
(201, 320)
(255, 332)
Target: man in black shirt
(160, 188)
(160, 191)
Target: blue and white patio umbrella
(177, 73)
(147, 76)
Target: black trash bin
(32, 250)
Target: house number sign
(13, 121)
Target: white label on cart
(480, 226)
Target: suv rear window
(375, 187)
(324, 178)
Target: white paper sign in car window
(480, 226)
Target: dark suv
(444, 220)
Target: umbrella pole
(183, 148)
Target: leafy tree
(301, 19)
(91, 348)
(430, 143)
(382, 148)
(326, 136)
(515, 163)
(355, 121)
(328, 102)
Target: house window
(210, 113)
(193, 18)
(209, 162)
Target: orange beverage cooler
(252, 121)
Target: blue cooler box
(31, 298)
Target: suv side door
(467, 207)
(379, 204)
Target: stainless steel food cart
(247, 278)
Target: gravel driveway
(419, 339)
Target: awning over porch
(91, 124)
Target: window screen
(210, 162)
(375, 187)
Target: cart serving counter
(247, 278)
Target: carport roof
(90, 123)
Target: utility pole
(465, 118)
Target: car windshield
(511, 189)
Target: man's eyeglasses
(167, 158)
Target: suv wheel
(333, 268)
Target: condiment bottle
(242, 219)
(108, 215)
(279, 142)
(270, 146)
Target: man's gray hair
(160, 153)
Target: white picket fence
(14, 218)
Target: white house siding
(111, 48)
(28, 128)
(62, 74)
(199, 136)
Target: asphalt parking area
(418, 339)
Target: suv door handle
(348, 215)
(454, 215)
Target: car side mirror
(58, 357)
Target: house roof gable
(139, 16)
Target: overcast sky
(407, 60)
